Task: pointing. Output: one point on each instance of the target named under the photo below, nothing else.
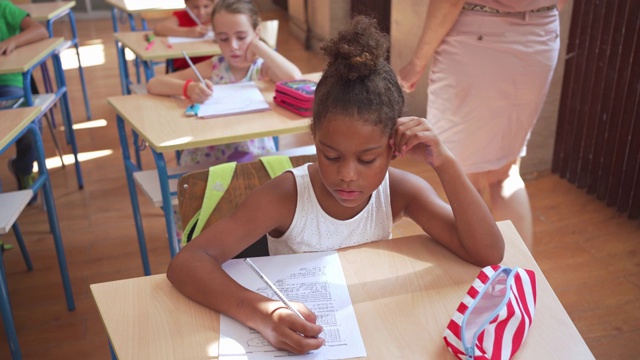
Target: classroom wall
(325, 17)
(407, 18)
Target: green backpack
(217, 183)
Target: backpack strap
(276, 164)
(217, 183)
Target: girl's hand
(285, 330)
(253, 49)
(414, 136)
(199, 93)
(199, 31)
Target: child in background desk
(244, 58)
(183, 25)
(18, 29)
(349, 197)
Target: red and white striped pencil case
(494, 317)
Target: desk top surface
(162, 123)
(136, 6)
(46, 10)
(161, 50)
(12, 121)
(25, 57)
(407, 299)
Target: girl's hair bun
(357, 50)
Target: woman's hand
(199, 93)
(414, 136)
(285, 330)
(409, 75)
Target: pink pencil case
(296, 95)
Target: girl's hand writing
(285, 330)
(199, 93)
(414, 136)
(199, 31)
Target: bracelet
(184, 89)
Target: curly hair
(358, 82)
(246, 7)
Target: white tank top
(314, 230)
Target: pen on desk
(193, 16)
(273, 288)
(193, 67)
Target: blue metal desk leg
(129, 169)
(167, 207)
(7, 316)
(43, 176)
(74, 32)
(113, 353)
(66, 115)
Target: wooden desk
(161, 50)
(13, 124)
(161, 122)
(133, 7)
(403, 305)
(135, 41)
(23, 60)
(49, 12)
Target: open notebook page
(229, 99)
(178, 39)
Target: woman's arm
(173, 84)
(276, 67)
(465, 226)
(197, 273)
(441, 15)
(30, 32)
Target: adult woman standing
(492, 65)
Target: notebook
(210, 36)
(229, 99)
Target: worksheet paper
(236, 98)
(315, 279)
(179, 39)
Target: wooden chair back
(247, 177)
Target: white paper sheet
(178, 39)
(231, 99)
(315, 279)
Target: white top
(314, 230)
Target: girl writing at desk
(244, 58)
(192, 22)
(348, 197)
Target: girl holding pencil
(194, 21)
(350, 196)
(244, 58)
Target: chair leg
(7, 316)
(23, 246)
(55, 139)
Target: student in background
(349, 197)
(244, 58)
(18, 29)
(183, 24)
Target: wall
(407, 18)
(326, 18)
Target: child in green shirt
(18, 29)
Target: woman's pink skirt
(488, 82)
